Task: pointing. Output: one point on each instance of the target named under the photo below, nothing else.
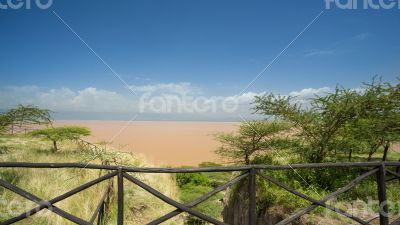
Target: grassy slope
(192, 190)
(140, 207)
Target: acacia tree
(5, 122)
(348, 120)
(318, 123)
(253, 137)
(26, 116)
(61, 133)
(378, 117)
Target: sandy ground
(163, 143)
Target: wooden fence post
(252, 197)
(120, 197)
(383, 208)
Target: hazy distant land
(162, 142)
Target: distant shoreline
(174, 121)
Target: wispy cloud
(339, 46)
(361, 36)
(318, 52)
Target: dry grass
(49, 183)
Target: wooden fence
(380, 169)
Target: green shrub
(262, 160)
(191, 178)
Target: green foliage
(336, 126)
(263, 160)
(378, 117)
(61, 133)
(190, 192)
(195, 185)
(344, 120)
(25, 116)
(191, 178)
(270, 195)
(317, 124)
(253, 138)
(215, 179)
(325, 179)
(212, 207)
(5, 122)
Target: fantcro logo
(182, 103)
(25, 4)
(362, 4)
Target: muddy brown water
(162, 143)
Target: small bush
(262, 160)
(191, 178)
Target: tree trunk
(55, 146)
(372, 151)
(319, 156)
(247, 159)
(385, 152)
(350, 153)
(375, 148)
(370, 155)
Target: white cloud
(177, 99)
(304, 96)
(179, 88)
(64, 99)
(310, 92)
(165, 98)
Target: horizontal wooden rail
(250, 172)
(197, 170)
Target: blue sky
(208, 48)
